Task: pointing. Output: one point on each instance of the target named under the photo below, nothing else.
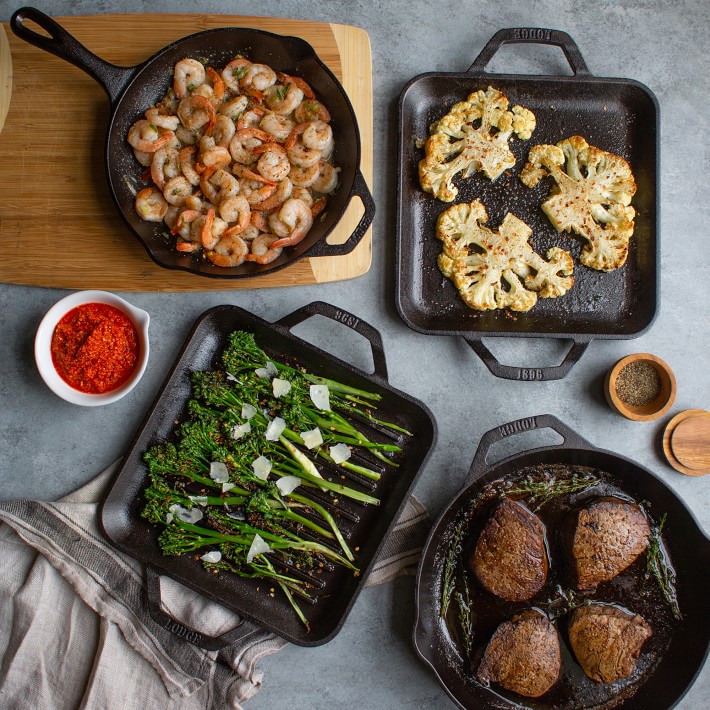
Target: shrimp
(234, 72)
(311, 110)
(304, 177)
(327, 179)
(145, 159)
(212, 230)
(216, 157)
(165, 165)
(218, 85)
(273, 162)
(184, 222)
(230, 251)
(251, 232)
(250, 119)
(187, 164)
(145, 137)
(195, 112)
(318, 135)
(259, 222)
(161, 120)
(300, 83)
(256, 191)
(303, 157)
(283, 99)
(297, 217)
(277, 126)
(171, 216)
(177, 190)
(217, 185)
(236, 209)
(189, 74)
(281, 194)
(263, 251)
(245, 140)
(303, 194)
(257, 79)
(185, 136)
(151, 205)
(223, 130)
(234, 108)
(318, 206)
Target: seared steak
(510, 558)
(610, 534)
(523, 655)
(607, 641)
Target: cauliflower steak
(591, 197)
(498, 269)
(456, 146)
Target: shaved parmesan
(218, 472)
(199, 500)
(228, 487)
(213, 557)
(275, 429)
(269, 371)
(280, 387)
(231, 377)
(262, 467)
(288, 484)
(169, 518)
(312, 438)
(320, 396)
(192, 515)
(340, 453)
(258, 547)
(239, 430)
(248, 411)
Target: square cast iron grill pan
(616, 115)
(365, 527)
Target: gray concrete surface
(48, 447)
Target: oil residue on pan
(634, 589)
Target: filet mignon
(510, 557)
(523, 655)
(607, 640)
(609, 535)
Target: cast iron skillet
(618, 115)
(688, 545)
(365, 527)
(132, 90)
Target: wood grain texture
(691, 442)
(58, 225)
(668, 436)
(5, 76)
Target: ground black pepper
(638, 384)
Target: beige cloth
(75, 631)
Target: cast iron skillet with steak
(510, 558)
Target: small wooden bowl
(663, 400)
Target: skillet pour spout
(131, 90)
(671, 659)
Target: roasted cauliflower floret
(591, 197)
(498, 269)
(457, 146)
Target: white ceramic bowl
(43, 341)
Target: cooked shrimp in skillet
(239, 161)
(188, 75)
(230, 251)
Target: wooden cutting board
(58, 225)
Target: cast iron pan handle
(571, 439)
(162, 618)
(361, 190)
(531, 35)
(320, 308)
(527, 374)
(114, 79)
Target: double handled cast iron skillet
(132, 90)
(365, 527)
(616, 115)
(688, 546)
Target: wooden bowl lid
(686, 442)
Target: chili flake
(95, 348)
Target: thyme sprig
(541, 492)
(466, 618)
(658, 565)
(450, 562)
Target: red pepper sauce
(95, 348)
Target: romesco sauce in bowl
(91, 347)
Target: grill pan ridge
(617, 115)
(363, 526)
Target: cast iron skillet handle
(320, 308)
(162, 618)
(114, 79)
(543, 421)
(527, 374)
(361, 190)
(531, 35)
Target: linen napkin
(75, 631)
